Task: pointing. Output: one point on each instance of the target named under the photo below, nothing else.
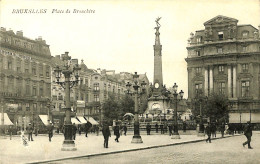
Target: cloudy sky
(119, 35)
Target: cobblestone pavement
(227, 150)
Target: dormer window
(245, 34)
(220, 35)
(199, 39)
(198, 53)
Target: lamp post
(175, 94)
(68, 72)
(136, 138)
(201, 126)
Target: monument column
(234, 81)
(211, 79)
(229, 82)
(206, 78)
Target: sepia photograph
(129, 81)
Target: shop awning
(7, 121)
(91, 120)
(74, 120)
(81, 119)
(44, 119)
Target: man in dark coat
(50, 131)
(125, 129)
(74, 131)
(248, 134)
(184, 126)
(222, 129)
(208, 132)
(148, 129)
(106, 134)
(116, 132)
(213, 130)
(156, 128)
(87, 127)
(30, 131)
(161, 127)
(170, 129)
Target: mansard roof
(220, 19)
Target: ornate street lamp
(136, 138)
(68, 72)
(175, 94)
(201, 126)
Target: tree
(111, 109)
(217, 107)
(214, 107)
(126, 105)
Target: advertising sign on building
(80, 104)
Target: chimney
(19, 33)
(39, 38)
(57, 56)
(3, 29)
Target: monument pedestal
(68, 145)
(137, 139)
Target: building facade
(25, 77)
(225, 58)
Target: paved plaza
(227, 150)
(13, 151)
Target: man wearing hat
(30, 130)
(248, 134)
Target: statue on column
(157, 24)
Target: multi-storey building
(25, 77)
(225, 58)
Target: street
(227, 150)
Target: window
(18, 66)
(244, 48)
(26, 70)
(34, 71)
(41, 92)
(96, 98)
(47, 71)
(105, 86)
(198, 87)
(199, 39)
(221, 87)
(198, 70)
(219, 50)
(220, 35)
(41, 70)
(96, 77)
(9, 65)
(105, 96)
(27, 106)
(96, 86)
(34, 107)
(113, 89)
(245, 67)
(245, 34)
(27, 90)
(34, 91)
(221, 69)
(198, 53)
(245, 89)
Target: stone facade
(225, 58)
(25, 77)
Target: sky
(119, 35)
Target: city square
(147, 80)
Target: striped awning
(81, 119)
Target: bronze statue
(157, 22)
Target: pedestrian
(50, 131)
(30, 130)
(79, 129)
(184, 126)
(170, 129)
(74, 131)
(24, 139)
(156, 128)
(10, 130)
(87, 126)
(97, 129)
(161, 127)
(36, 131)
(116, 132)
(148, 128)
(208, 132)
(222, 129)
(248, 134)
(213, 130)
(106, 134)
(125, 129)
